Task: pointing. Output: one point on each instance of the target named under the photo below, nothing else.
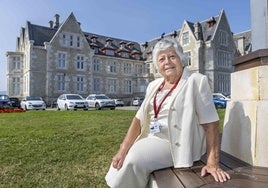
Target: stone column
(245, 132)
(259, 24)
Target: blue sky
(135, 20)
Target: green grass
(60, 148)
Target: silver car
(100, 101)
(71, 102)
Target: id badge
(155, 127)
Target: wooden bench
(242, 175)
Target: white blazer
(191, 105)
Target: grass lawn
(60, 148)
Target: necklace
(157, 109)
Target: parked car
(219, 103)
(220, 96)
(71, 102)
(119, 102)
(15, 102)
(33, 103)
(100, 101)
(4, 101)
(137, 101)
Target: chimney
(57, 22)
(197, 30)
(241, 45)
(50, 24)
(211, 22)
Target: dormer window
(125, 54)
(130, 45)
(122, 44)
(93, 39)
(109, 42)
(109, 52)
(135, 54)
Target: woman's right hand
(118, 159)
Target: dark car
(4, 101)
(15, 102)
(219, 103)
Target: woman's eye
(172, 57)
(160, 59)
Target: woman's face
(169, 63)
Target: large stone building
(61, 58)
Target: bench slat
(166, 178)
(188, 177)
(242, 175)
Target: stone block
(245, 131)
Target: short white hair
(164, 44)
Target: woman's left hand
(218, 174)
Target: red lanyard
(157, 109)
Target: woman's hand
(118, 159)
(218, 174)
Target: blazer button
(175, 126)
(177, 144)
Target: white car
(100, 101)
(137, 101)
(71, 102)
(33, 103)
(119, 102)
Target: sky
(134, 20)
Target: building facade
(61, 58)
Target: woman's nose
(167, 60)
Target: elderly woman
(175, 125)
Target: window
(125, 54)
(112, 67)
(63, 39)
(223, 38)
(80, 62)
(109, 52)
(127, 68)
(188, 58)
(224, 59)
(185, 38)
(62, 60)
(96, 85)
(15, 86)
(78, 42)
(223, 83)
(16, 63)
(139, 69)
(96, 65)
(127, 86)
(71, 40)
(96, 50)
(111, 86)
(79, 83)
(61, 83)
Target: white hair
(165, 44)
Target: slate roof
(206, 34)
(247, 40)
(40, 34)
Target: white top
(163, 113)
(189, 106)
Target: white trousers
(145, 156)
